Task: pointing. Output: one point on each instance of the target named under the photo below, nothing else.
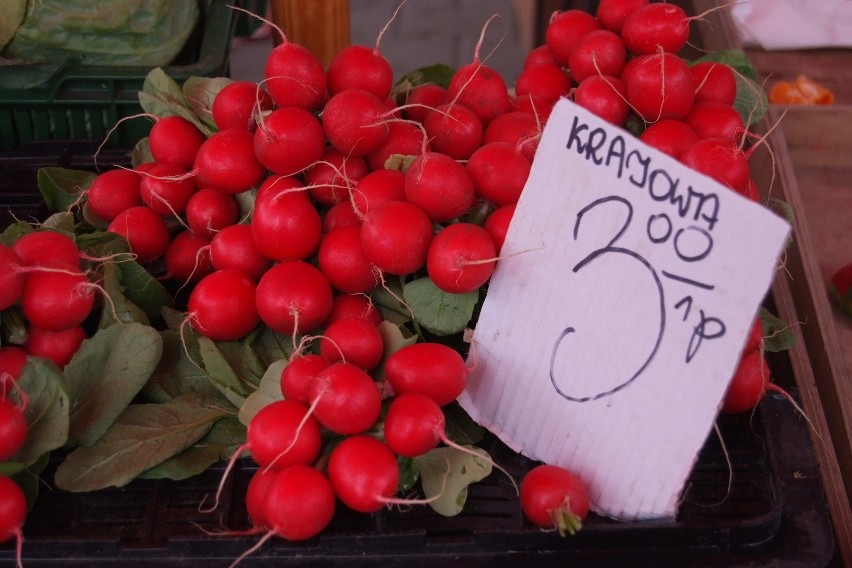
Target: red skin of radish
(345, 398)
(715, 82)
(755, 337)
(720, 159)
(210, 210)
(256, 496)
(354, 340)
(175, 140)
(289, 140)
(414, 424)
(604, 96)
(286, 226)
(499, 173)
(440, 186)
(226, 161)
(599, 52)
(233, 247)
(403, 138)
(300, 503)
(545, 81)
(538, 55)
(659, 85)
(338, 216)
(422, 99)
(188, 257)
(655, 26)
(13, 429)
(669, 136)
(363, 472)
(519, 129)
(481, 89)
(552, 496)
(294, 76)
(537, 107)
(342, 260)
(748, 384)
(395, 237)
(377, 187)
(145, 231)
(12, 361)
(716, 120)
(353, 306)
(451, 251)
(565, 29)
(222, 305)
(454, 130)
(294, 296)
(47, 248)
(275, 427)
(167, 197)
(432, 369)
(112, 192)
(497, 224)
(329, 180)
(237, 105)
(355, 122)
(297, 376)
(360, 67)
(13, 509)
(612, 13)
(58, 346)
(57, 300)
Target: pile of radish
(314, 247)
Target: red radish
(353, 340)
(716, 120)
(360, 67)
(461, 258)
(545, 82)
(226, 161)
(289, 140)
(659, 85)
(340, 215)
(58, 346)
(12, 276)
(300, 503)
(395, 237)
(755, 337)
(422, 99)
(57, 299)
(13, 513)
(499, 172)
(612, 13)
(353, 306)
(605, 96)
(748, 385)
(329, 181)
(520, 129)
(404, 138)
(233, 247)
(440, 186)
(12, 361)
(238, 105)
(166, 189)
(297, 376)
(377, 187)
(720, 159)
(285, 224)
(564, 31)
(13, 429)
(283, 434)
(363, 472)
(714, 82)
(429, 368)
(175, 140)
(210, 210)
(751, 190)
(538, 55)
(355, 122)
(655, 26)
(552, 496)
(294, 76)
(113, 191)
(454, 130)
(537, 107)
(414, 424)
(342, 260)
(599, 52)
(188, 257)
(222, 305)
(669, 136)
(293, 297)
(840, 288)
(481, 89)
(345, 399)
(256, 497)
(144, 230)
(497, 224)
(48, 249)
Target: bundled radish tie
(289, 271)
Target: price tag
(615, 319)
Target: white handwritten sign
(614, 322)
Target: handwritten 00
(573, 344)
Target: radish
(12, 277)
(355, 122)
(294, 76)
(655, 26)
(520, 129)
(58, 346)
(329, 180)
(395, 236)
(748, 385)
(360, 67)
(293, 297)
(716, 120)
(429, 368)
(404, 139)
(669, 136)
(300, 503)
(210, 210)
(226, 161)
(283, 434)
(13, 429)
(611, 14)
(233, 247)
(497, 224)
(414, 424)
(222, 305)
(285, 224)
(12, 361)
(175, 140)
(353, 340)
(659, 85)
(499, 172)
(720, 159)
(565, 29)
(545, 82)
(353, 306)
(538, 55)
(144, 230)
(554, 497)
(13, 513)
(345, 399)
(715, 82)
(289, 140)
(599, 52)
(481, 89)
(363, 472)
(256, 497)
(166, 189)
(440, 186)
(188, 257)
(422, 99)
(340, 215)
(57, 299)
(239, 104)
(754, 340)
(604, 96)
(47, 248)
(454, 130)
(342, 260)
(377, 187)
(461, 258)
(113, 191)
(297, 376)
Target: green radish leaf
(752, 101)
(14, 326)
(28, 479)
(162, 96)
(393, 339)
(226, 435)
(447, 472)
(236, 354)
(199, 93)
(143, 436)
(268, 391)
(437, 311)
(176, 373)
(460, 427)
(62, 221)
(270, 346)
(10, 468)
(777, 335)
(15, 231)
(439, 74)
(119, 308)
(221, 374)
(47, 411)
(107, 372)
(61, 187)
(409, 473)
(141, 153)
(143, 289)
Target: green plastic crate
(85, 101)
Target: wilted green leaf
(221, 373)
(448, 472)
(162, 96)
(460, 427)
(270, 345)
(439, 312)
(61, 187)
(118, 308)
(409, 473)
(199, 93)
(177, 373)
(47, 412)
(15, 231)
(63, 221)
(143, 289)
(777, 335)
(268, 391)
(439, 74)
(393, 339)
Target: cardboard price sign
(616, 317)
